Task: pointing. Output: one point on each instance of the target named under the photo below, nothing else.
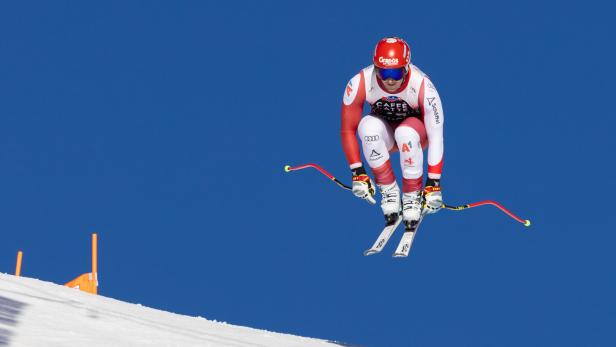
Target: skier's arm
(352, 108)
(433, 121)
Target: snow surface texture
(37, 313)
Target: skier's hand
(363, 187)
(433, 196)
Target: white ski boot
(390, 201)
(411, 206)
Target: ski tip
(287, 168)
(370, 252)
(399, 255)
(527, 223)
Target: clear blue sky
(164, 127)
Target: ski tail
(404, 247)
(385, 235)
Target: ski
(404, 247)
(381, 241)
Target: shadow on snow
(9, 313)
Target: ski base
(381, 241)
(404, 247)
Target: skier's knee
(407, 136)
(370, 126)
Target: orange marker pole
(18, 266)
(94, 263)
(94, 254)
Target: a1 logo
(406, 147)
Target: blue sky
(164, 127)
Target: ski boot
(411, 208)
(390, 202)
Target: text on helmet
(388, 61)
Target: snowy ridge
(37, 313)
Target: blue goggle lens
(395, 74)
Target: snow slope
(37, 313)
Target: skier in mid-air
(405, 116)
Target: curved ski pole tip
(527, 223)
(287, 168)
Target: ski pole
(289, 168)
(525, 222)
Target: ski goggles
(395, 74)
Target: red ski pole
(288, 168)
(525, 222)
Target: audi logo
(371, 138)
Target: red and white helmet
(391, 53)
